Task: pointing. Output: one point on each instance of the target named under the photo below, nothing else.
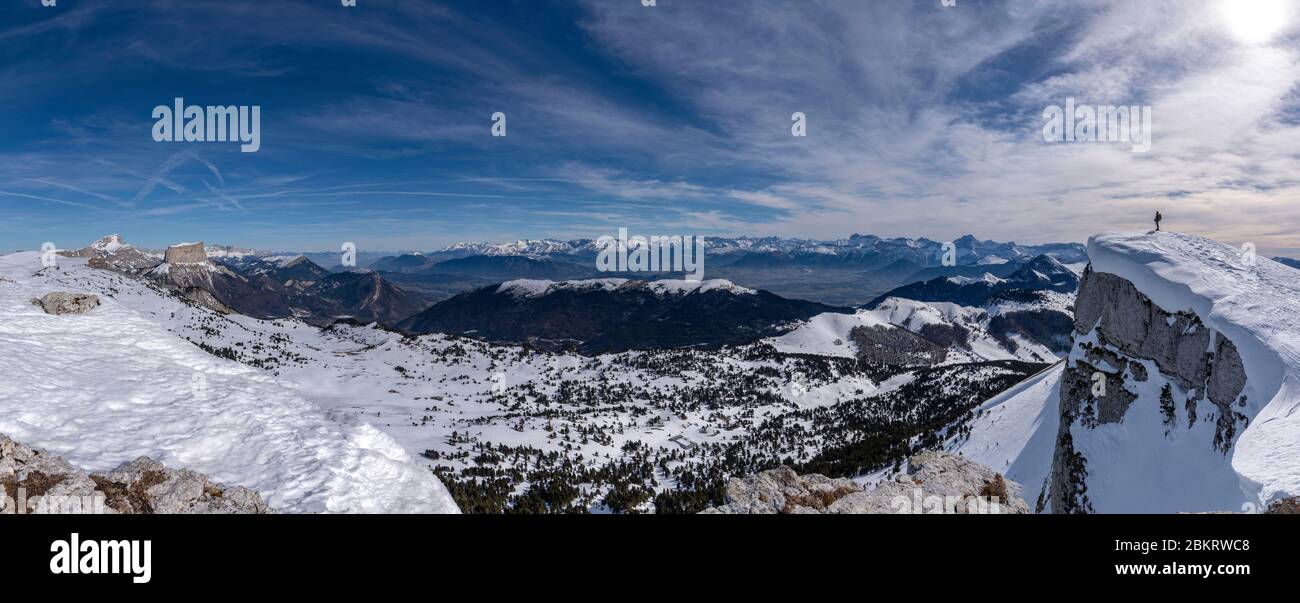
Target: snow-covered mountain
(113, 253)
(114, 384)
(503, 426)
(857, 252)
(1180, 392)
(909, 332)
(614, 314)
(639, 430)
(264, 286)
(1043, 273)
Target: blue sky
(923, 120)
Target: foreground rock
(934, 482)
(67, 303)
(37, 482)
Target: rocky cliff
(1119, 333)
(35, 481)
(1180, 392)
(185, 253)
(934, 483)
(1155, 396)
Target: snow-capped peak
(987, 277)
(109, 244)
(530, 288)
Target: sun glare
(1254, 21)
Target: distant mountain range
(547, 291)
(840, 272)
(265, 287)
(858, 252)
(1043, 273)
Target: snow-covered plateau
(114, 384)
(359, 418)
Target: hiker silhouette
(1158, 218)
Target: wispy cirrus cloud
(923, 120)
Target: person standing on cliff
(1158, 219)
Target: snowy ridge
(829, 334)
(1046, 300)
(1254, 307)
(915, 316)
(531, 288)
(165, 269)
(111, 385)
(986, 278)
(530, 248)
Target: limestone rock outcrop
(186, 253)
(34, 481)
(1119, 331)
(67, 303)
(934, 482)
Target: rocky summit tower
(185, 253)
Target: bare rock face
(1286, 506)
(782, 490)
(34, 481)
(935, 482)
(27, 474)
(67, 303)
(191, 253)
(146, 486)
(1177, 342)
(1129, 328)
